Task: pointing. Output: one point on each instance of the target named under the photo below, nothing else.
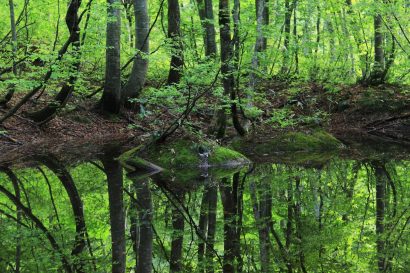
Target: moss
(292, 142)
(184, 154)
(223, 156)
(297, 141)
(382, 100)
(194, 176)
(176, 154)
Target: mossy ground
(184, 154)
(314, 141)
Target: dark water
(286, 213)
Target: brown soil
(378, 110)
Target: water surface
(285, 213)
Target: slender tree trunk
(48, 112)
(11, 88)
(174, 33)
(111, 98)
(206, 14)
(227, 72)
(260, 44)
(286, 41)
(138, 74)
(378, 73)
(128, 15)
(114, 174)
(295, 36)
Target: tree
(206, 14)
(174, 33)
(228, 82)
(73, 25)
(138, 74)
(111, 98)
(379, 73)
(10, 93)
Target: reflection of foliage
(331, 208)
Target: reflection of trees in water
(345, 215)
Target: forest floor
(341, 110)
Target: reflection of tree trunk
(380, 214)
(14, 180)
(262, 214)
(213, 201)
(177, 237)
(114, 174)
(203, 227)
(28, 212)
(144, 262)
(231, 198)
(298, 224)
(77, 205)
(207, 226)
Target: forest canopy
(164, 51)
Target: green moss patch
(182, 154)
(292, 142)
(298, 141)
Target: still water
(284, 213)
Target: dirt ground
(382, 110)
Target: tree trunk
(260, 44)
(48, 112)
(114, 174)
(286, 41)
(10, 91)
(206, 14)
(378, 73)
(174, 33)
(138, 74)
(111, 98)
(227, 72)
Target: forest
(204, 136)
